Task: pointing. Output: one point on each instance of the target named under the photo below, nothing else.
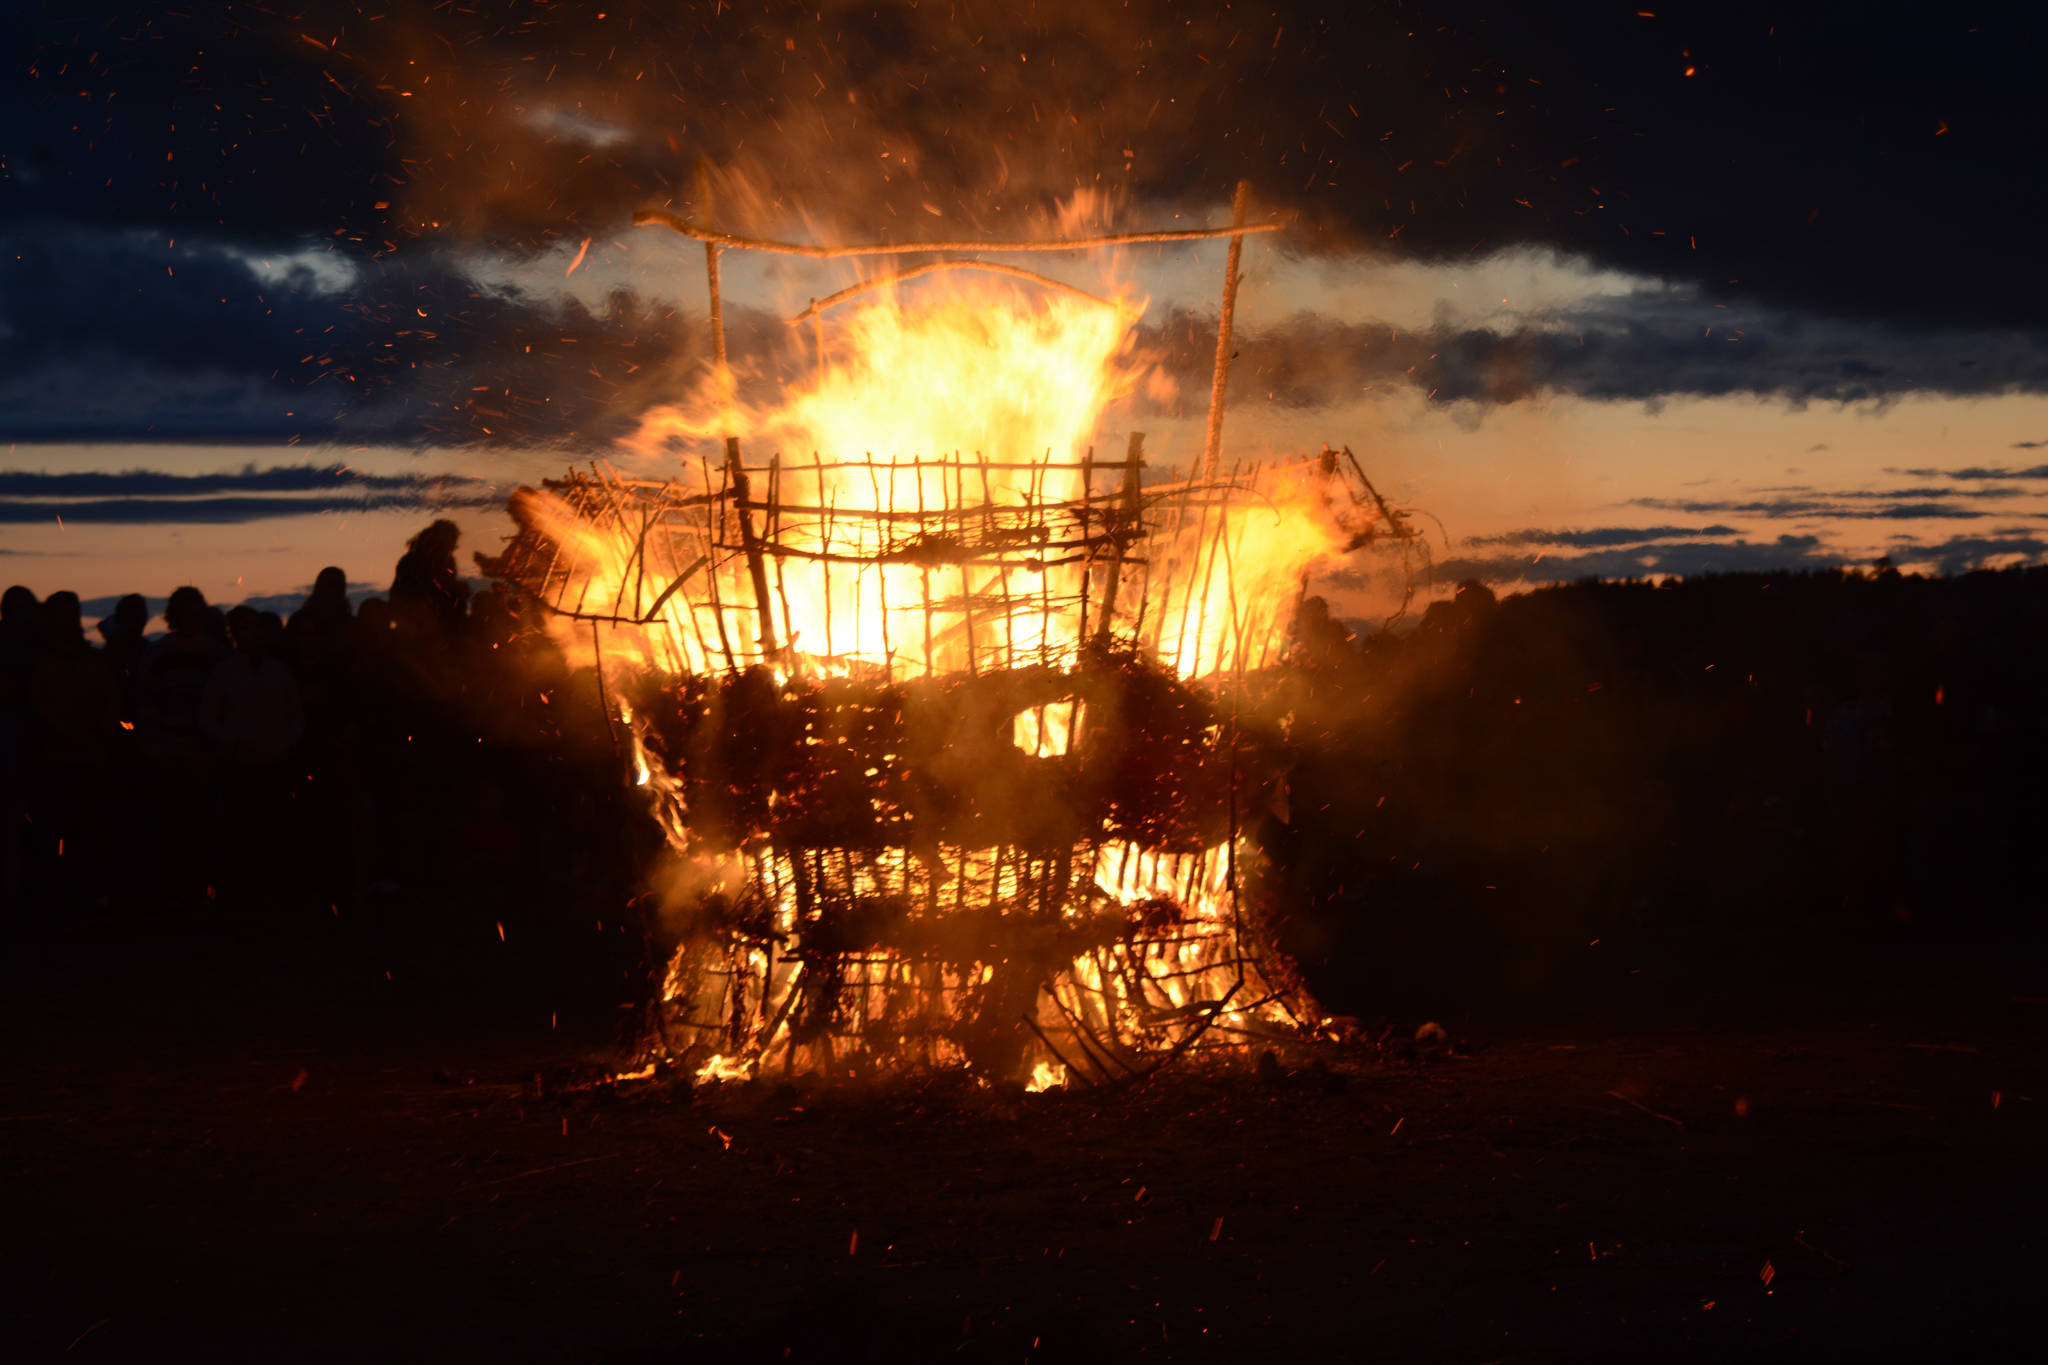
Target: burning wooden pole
(750, 544)
(735, 471)
(1125, 521)
(678, 224)
(1213, 448)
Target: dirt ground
(302, 1168)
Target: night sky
(1607, 291)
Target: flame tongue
(994, 376)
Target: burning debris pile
(952, 752)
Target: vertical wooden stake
(1087, 536)
(704, 212)
(735, 472)
(1126, 523)
(924, 572)
(757, 567)
(716, 512)
(775, 534)
(1212, 450)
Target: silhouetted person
(1321, 640)
(1475, 602)
(317, 637)
(251, 706)
(271, 626)
(19, 612)
(320, 643)
(375, 646)
(379, 700)
(320, 640)
(491, 623)
(428, 595)
(76, 705)
(328, 603)
(252, 711)
(123, 633)
(373, 624)
(175, 670)
(174, 674)
(72, 692)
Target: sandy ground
(286, 1171)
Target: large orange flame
(966, 400)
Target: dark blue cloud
(2039, 471)
(1954, 555)
(1645, 346)
(226, 510)
(1832, 507)
(1894, 494)
(151, 483)
(283, 603)
(132, 497)
(1960, 554)
(1603, 537)
(122, 336)
(1686, 559)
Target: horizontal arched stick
(675, 222)
(1015, 272)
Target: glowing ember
(1044, 1076)
(721, 1068)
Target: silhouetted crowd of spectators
(1776, 771)
(1767, 765)
(406, 756)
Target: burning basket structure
(950, 749)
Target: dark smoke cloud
(1881, 231)
(1812, 156)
